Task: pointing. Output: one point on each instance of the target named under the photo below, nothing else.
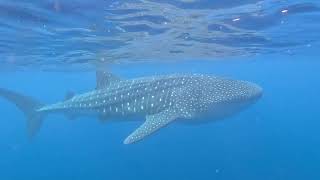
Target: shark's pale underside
(160, 99)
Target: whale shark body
(160, 99)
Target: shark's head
(225, 97)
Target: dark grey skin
(160, 99)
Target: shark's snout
(252, 91)
(257, 91)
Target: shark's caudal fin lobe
(28, 106)
(104, 79)
(34, 123)
(152, 124)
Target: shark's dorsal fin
(152, 124)
(104, 79)
(69, 95)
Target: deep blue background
(277, 138)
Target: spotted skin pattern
(162, 99)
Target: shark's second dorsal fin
(69, 95)
(104, 79)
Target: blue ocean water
(48, 48)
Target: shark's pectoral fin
(152, 124)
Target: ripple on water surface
(64, 34)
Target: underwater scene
(159, 89)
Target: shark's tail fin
(28, 106)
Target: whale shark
(160, 100)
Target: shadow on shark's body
(160, 99)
